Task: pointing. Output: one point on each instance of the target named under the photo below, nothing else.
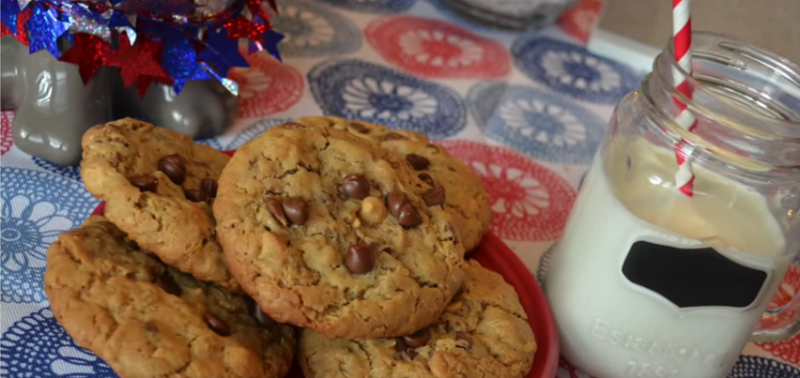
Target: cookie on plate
(449, 180)
(146, 319)
(484, 333)
(329, 232)
(158, 185)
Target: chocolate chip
(174, 166)
(296, 210)
(395, 202)
(151, 326)
(466, 338)
(209, 186)
(400, 345)
(274, 207)
(434, 197)
(417, 339)
(426, 178)
(167, 283)
(409, 216)
(195, 195)
(360, 127)
(356, 186)
(418, 162)
(145, 183)
(394, 136)
(404, 349)
(360, 258)
(216, 324)
(261, 318)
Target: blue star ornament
(119, 19)
(271, 39)
(44, 29)
(221, 53)
(8, 14)
(179, 60)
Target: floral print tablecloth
(526, 111)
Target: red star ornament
(138, 60)
(241, 27)
(255, 8)
(88, 52)
(22, 33)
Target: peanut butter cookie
(146, 319)
(329, 232)
(158, 186)
(483, 334)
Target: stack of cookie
(353, 232)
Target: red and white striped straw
(682, 41)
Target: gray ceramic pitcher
(54, 107)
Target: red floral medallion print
(787, 350)
(579, 21)
(436, 49)
(267, 86)
(529, 202)
(6, 141)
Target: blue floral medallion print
(541, 125)
(68, 171)
(570, 69)
(36, 207)
(374, 6)
(37, 347)
(229, 143)
(760, 367)
(310, 29)
(365, 91)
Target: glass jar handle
(782, 319)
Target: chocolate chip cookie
(158, 186)
(449, 181)
(327, 231)
(483, 333)
(146, 319)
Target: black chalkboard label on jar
(700, 277)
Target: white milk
(612, 328)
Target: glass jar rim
(788, 71)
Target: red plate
(495, 255)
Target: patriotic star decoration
(8, 14)
(45, 27)
(138, 63)
(221, 52)
(179, 60)
(150, 50)
(88, 52)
